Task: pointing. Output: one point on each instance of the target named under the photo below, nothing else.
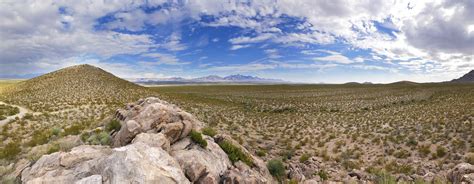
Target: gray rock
(154, 140)
(153, 115)
(197, 161)
(94, 179)
(140, 163)
(460, 172)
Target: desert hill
(81, 84)
(469, 77)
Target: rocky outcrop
(151, 147)
(462, 173)
(153, 115)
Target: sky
(331, 41)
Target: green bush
(74, 129)
(104, 138)
(235, 153)
(197, 138)
(209, 131)
(113, 125)
(56, 131)
(261, 153)
(440, 151)
(10, 151)
(385, 178)
(53, 148)
(304, 157)
(470, 158)
(424, 150)
(39, 138)
(276, 168)
(323, 175)
(402, 154)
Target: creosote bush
(323, 175)
(10, 151)
(235, 153)
(304, 157)
(197, 138)
(276, 168)
(113, 125)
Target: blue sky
(301, 41)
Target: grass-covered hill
(72, 86)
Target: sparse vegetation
(10, 151)
(276, 168)
(113, 125)
(235, 153)
(347, 124)
(197, 138)
(209, 131)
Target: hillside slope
(469, 77)
(76, 85)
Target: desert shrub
(440, 151)
(411, 141)
(293, 181)
(424, 150)
(470, 158)
(323, 175)
(350, 164)
(93, 139)
(8, 180)
(28, 116)
(287, 155)
(261, 153)
(395, 167)
(56, 131)
(402, 154)
(39, 138)
(53, 148)
(209, 131)
(235, 153)
(197, 138)
(276, 168)
(385, 178)
(85, 136)
(10, 151)
(113, 125)
(104, 138)
(304, 157)
(74, 129)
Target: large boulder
(198, 162)
(153, 115)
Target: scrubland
(397, 129)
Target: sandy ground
(22, 113)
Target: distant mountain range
(207, 79)
(467, 78)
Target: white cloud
(161, 58)
(236, 47)
(245, 39)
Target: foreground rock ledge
(152, 146)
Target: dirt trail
(22, 113)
